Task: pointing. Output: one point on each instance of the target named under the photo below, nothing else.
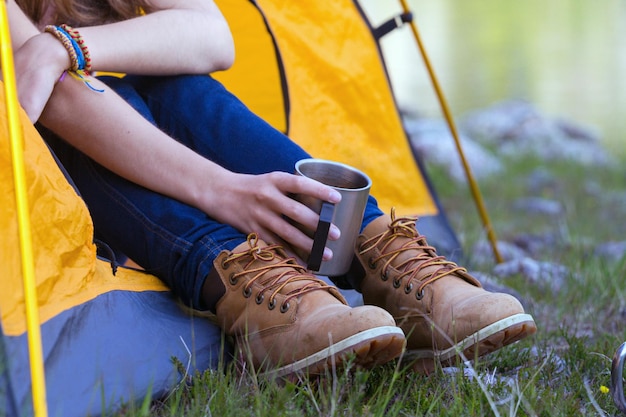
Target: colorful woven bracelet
(80, 61)
(76, 36)
(68, 44)
(80, 57)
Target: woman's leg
(171, 240)
(202, 114)
(404, 274)
(261, 289)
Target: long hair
(85, 12)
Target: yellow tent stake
(446, 111)
(21, 196)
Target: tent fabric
(319, 62)
(7, 399)
(109, 351)
(62, 232)
(315, 71)
(107, 338)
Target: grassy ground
(562, 371)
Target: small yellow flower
(604, 390)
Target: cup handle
(321, 236)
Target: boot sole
(487, 340)
(365, 349)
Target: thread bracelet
(76, 37)
(74, 44)
(66, 40)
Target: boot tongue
(293, 276)
(419, 252)
(403, 237)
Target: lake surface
(567, 57)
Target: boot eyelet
(271, 304)
(371, 263)
(408, 288)
(284, 307)
(384, 276)
(396, 283)
(419, 294)
(259, 298)
(232, 279)
(247, 292)
(224, 263)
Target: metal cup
(347, 215)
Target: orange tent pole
(446, 111)
(21, 196)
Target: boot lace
(424, 265)
(274, 272)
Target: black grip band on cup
(321, 236)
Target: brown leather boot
(286, 320)
(442, 309)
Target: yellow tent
(313, 70)
(113, 334)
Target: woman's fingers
(293, 190)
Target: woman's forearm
(106, 128)
(21, 28)
(183, 37)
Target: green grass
(558, 372)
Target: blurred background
(566, 57)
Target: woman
(183, 179)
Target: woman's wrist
(206, 190)
(74, 45)
(53, 54)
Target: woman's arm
(181, 37)
(111, 132)
(106, 128)
(39, 59)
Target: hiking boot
(443, 310)
(286, 320)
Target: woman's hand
(39, 63)
(259, 203)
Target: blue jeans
(172, 240)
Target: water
(567, 57)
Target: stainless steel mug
(347, 215)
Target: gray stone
(544, 275)
(611, 251)
(538, 205)
(433, 141)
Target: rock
(482, 252)
(433, 141)
(511, 128)
(540, 180)
(537, 205)
(516, 128)
(611, 251)
(499, 123)
(536, 244)
(545, 275)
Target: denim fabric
(172, 240)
